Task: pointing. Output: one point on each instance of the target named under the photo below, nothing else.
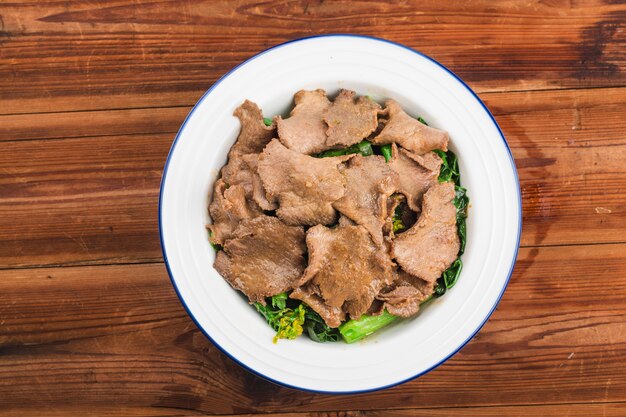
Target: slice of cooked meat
(417, 173)
(305, 187)
(257, 191)
(397, 208)
(409, 132)
(254, 135)
(309, 294)
(305, 130)
(431, 245)
(404, 297)
(347, 267)
(370, 181)
(350, 121)
(243, 170)
(264, 257)
(227, 209)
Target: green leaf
(279, 301)
(364, 148)
(419, 118)
(451, 275)
(440, 288)
(215, 246)
(267, 121)
(317, 329)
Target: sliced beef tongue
(409, 132)
(350, 121)
(254, 135)
(227, 209)
(238, 194)
(305, 130)
(346, 269)
(310, 295)
(417, 173)
(370, 181)
(431, 245)
(257, 192)
(264, 257)
(404, 297)
(304, 187)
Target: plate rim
(164, 177)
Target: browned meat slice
(305, 187)
(431, 245)
(409, 132)
(241, 173)
(346, 267)
(257, 191)
(254, 135)
(417, 173)
(370, 181)
(349, 120)
(309, 294)
(227, 209)
(305, 130)
(264, 257)
(404, 297)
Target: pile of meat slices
(322, 227)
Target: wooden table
(91, 95)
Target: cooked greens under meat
(339, 219)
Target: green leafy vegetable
(317, 329)
(450, 172)
(386, 152)
(279, 301)
(461, 202)
(267, 121)
(355, 330)
(215, 246)
(290, 324)
(364, 148)
(397, 223)
(449, 167)
(289, 318)
(451, 275)
(419, 119)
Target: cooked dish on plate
(340, 218)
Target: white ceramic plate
(382, 70)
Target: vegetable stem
(355, 330)
(386, 151)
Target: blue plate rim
(173, 281)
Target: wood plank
(117, 336)
(81, 200)
(569, 149)
(557, 410)
(93, 199)
(91, 123)
(75, 55)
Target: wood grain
(91, 123)
(91, 96)
(117, 335)
(114, 54)
(81, 200)
(92, 199)
(558, 410)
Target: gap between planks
(154, 261)
(478, 92)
